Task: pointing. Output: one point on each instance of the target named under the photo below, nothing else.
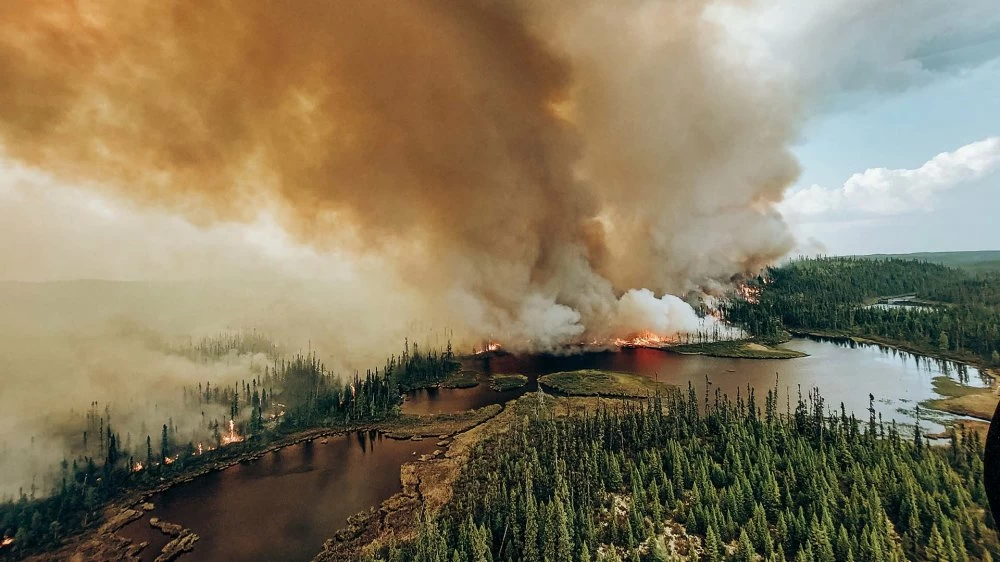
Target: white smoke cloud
(883, 191)
(640, 309)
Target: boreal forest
(947, 311)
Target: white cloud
(829, 48)
(884, 191)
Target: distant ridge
(980, 260)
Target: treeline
(415, 369)
(289, 396)
(213, 348)
(960, 316)
(667, 480)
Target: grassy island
(739, 349)
(507, 381)
(592, 382)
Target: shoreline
(118, 513)
(966, 360)
(947, 403)
(103, 542)
(427, 482)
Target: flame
(200, 449)
(490, 346)
(7, 541)
(750, 293)
(137, 467)
(232, 436)
(170, 460)
(644, 339)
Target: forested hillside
(959, 316)
(984, 260)
(648, 482)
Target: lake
(843, 371)
(285, 504)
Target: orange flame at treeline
(7, 541)
(232, 436)
(645, 339)
(750, 293)
(488, 347)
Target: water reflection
(845, 371)
(285, 504)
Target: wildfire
(490, 346)
(643, 339)
(750, 293)
(170, 460)
(137, 467)
(200, 449)
(232, 436)
(7, 541)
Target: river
(284, 505)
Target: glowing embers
(231, 436)
(7, 541)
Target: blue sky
(903, 130)
(885, 86)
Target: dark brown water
(284, 505)
(439, 400)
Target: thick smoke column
(525, 165)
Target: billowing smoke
(522, 165)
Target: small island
(736, 349)
(593, 382)
(461, 379)
(501, 382)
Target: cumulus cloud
(884, 191)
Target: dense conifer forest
(954, 312)
(723, 480)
